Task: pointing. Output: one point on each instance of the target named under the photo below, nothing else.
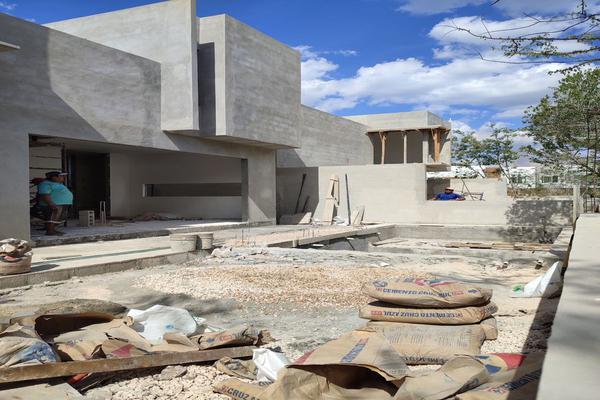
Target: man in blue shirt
(55, 198)
(449, 195)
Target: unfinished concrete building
(152, 109)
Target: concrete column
(425, 138)
(405, 147)
(14, 192)
(259, 187)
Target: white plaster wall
(130, 171)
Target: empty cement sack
(430, 344)
(518, 383)
(427, 293)
(379, 311)
(243, 335)
(456, 376)
(359, 365)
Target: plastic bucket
(206, 240)
(182, 243)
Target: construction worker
(54, 200)
(449, 195)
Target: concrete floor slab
(118, 230)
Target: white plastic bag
(268, 363)
(543, 286)
(153, 323)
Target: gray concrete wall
(165, 32)
(570, 369)
(250, 82)
(390, 193)
(401, 121)
(398, 193)
(129, 172)
(63, 86)
(326, 139)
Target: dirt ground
(304, 297)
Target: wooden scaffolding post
(332, 199)
(383, 139)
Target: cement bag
(245, 369)
(546, 285)
(519, 383)
(358, 365)
(240, 390)
(456, 376)
(424, 293)
(243, 335)
(379, 311)
(490, 328)
(20, 345)
(153, 323)
(430, 344)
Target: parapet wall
(397, 193)
(570, 369)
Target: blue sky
(368, 56)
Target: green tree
(564, 125)
(497, 150)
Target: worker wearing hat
(55, 198)
(449, 195)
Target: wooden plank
(55, 370)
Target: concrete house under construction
(153, 109)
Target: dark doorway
(89, 180)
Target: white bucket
(183, 242)
(206, 240)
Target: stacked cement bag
(15, 256)
(430, 321)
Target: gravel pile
(306, 283)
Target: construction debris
(546, 285)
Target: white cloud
(509, 7)
(6, 6)
(462, 83)
(317, 68)
(435, 7)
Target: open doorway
(89, 180)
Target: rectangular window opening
(192, 190)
